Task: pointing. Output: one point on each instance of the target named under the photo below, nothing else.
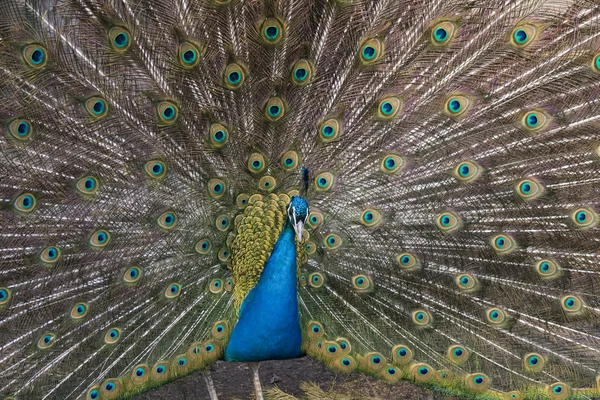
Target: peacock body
(155, 213)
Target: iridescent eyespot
(421, 318)
(478, 382)
(112, 336)
(344, 345)
(274, 109)
(389, 107)
(5, 295)
(195, 351)
(220, 329)
(173, 290)
(315, 329)
(222, 222)
(558, 390)
(316, 279)
(503, 244)
(50, 255)
(160, 371)
(467, 171)
(533, 362)
(332, 241)
(513, 395)
(373, 361)
(132, 275)
(79, 311)
(234, 76)
(323, 181)
(547, 269)
(442, 33)
(155, 169)
(216, 286)
(422, 372)
(224, 254)
(289, 160)
(529, 189)
(596, 63)
(256, 163)
(271, 31)
(93, 393)
(188, 55)
(408, 262)
(523, 35)
(315, 219)
(24, 203)
(216, 188)
(99, 239)
(401, 355)
(467, 283)
(535, 121)
(167, 112)
(345, 364)
(302, 72)
(242, 200)
(35, 56)
(167, 220)
(362, 283)
(87, 185)
(457, 105)
(496, 316)
(448, 222)
(330, 130)
(572, 304)
(310, 248)
(228, 284)
(20, 129)
(392, 163)
(371, 51)
(584, 218)
(330, 349)
(267, 183)
(120, 39)
(96, 107)
(371, 218)
(457, 354)
(46, 341)
(219, 135)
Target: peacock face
(297, 213)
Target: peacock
(405, 188)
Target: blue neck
(269, 323)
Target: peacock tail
(150, 150)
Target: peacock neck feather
(269, 325)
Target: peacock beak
(298, 227)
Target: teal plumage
(150, 150)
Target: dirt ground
(234, 381)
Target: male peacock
(153, 198)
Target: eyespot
(271, 30)
(181, 363)
(503, 244)
(362, 283)
(371, 218)
(160, 371)
(302, 72)
(457, 105)
(392, 163)
(391, 374)
(310, 248)
(558, 390)
(448, 222)
(189, 55)
(224, 254)
(112, 336)
(421, 318)
(596, 63)
(408, 262)
(330, 349)
(93, 393)
(155, 169)
(167, 220)
(228, 284)
(219, 135)
(513, 395)
(444, 375)
(222, 223)
(211, 350)
(5, 295)
(79, 311)
(20, 129)
(274, 109)
(330, 130)
(523, 35)
(457, 354)
(344, 345)
(167, 112)
(535, 121)
(345, 364)
(529, 189)
(216, 286)
(467, 171)
(316, 279)
(332, 241)
(315, 330)
(132, 275)
(256, 163)
(96, 107)
(173, 290)
(323, 181)
(422, 372)
(234, 76)
(216, 188)
(442, 33)
(87, 185)
(371, 51)
(572, 304)
(302, 279)
(478, 382)
(389, 107)
(99, 239)
(496, 316)
(220, 329)
(401, 354)
(46, 341)
(242, 200)
(584, 218)
(195, 351)
(120, 39)
(315, 219)
(289, 161)
(547, 269)
(50, 255)
(25, 203)
(35, 56)
(373, 361)
(467, 283)
(110, 389)
(533, 362)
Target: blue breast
(269, 324)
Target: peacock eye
(457, 354)
(167, 112)
(35, 56)
(584, 218)
(302, 72)
(167, 220)
(324, 181)
(234, 76)
(96, 107)
(503, 244)
(392, 163)
(155, 169)
(371, 51)
(87, 185)
(120, 39)
(112, 336)
(256, 163)
(496, 316)
(457, 105)
(50, 255)
(389, 107)
(216, 286)
(442, 33)
(267, 183)
(173, 290)
(523, 35)
(535, 121)
(216, 188)
(371, 218)
(289, 160)
(421, 318)
(20, 129)
(271, 31)
(189, 55)
(99, 239)
(448, 222)
(274, 109)
(467, 283)
(79, 311)
(572, 304)
(529, 189)
(533, 362)
(25, 203)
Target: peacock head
(297, 214)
